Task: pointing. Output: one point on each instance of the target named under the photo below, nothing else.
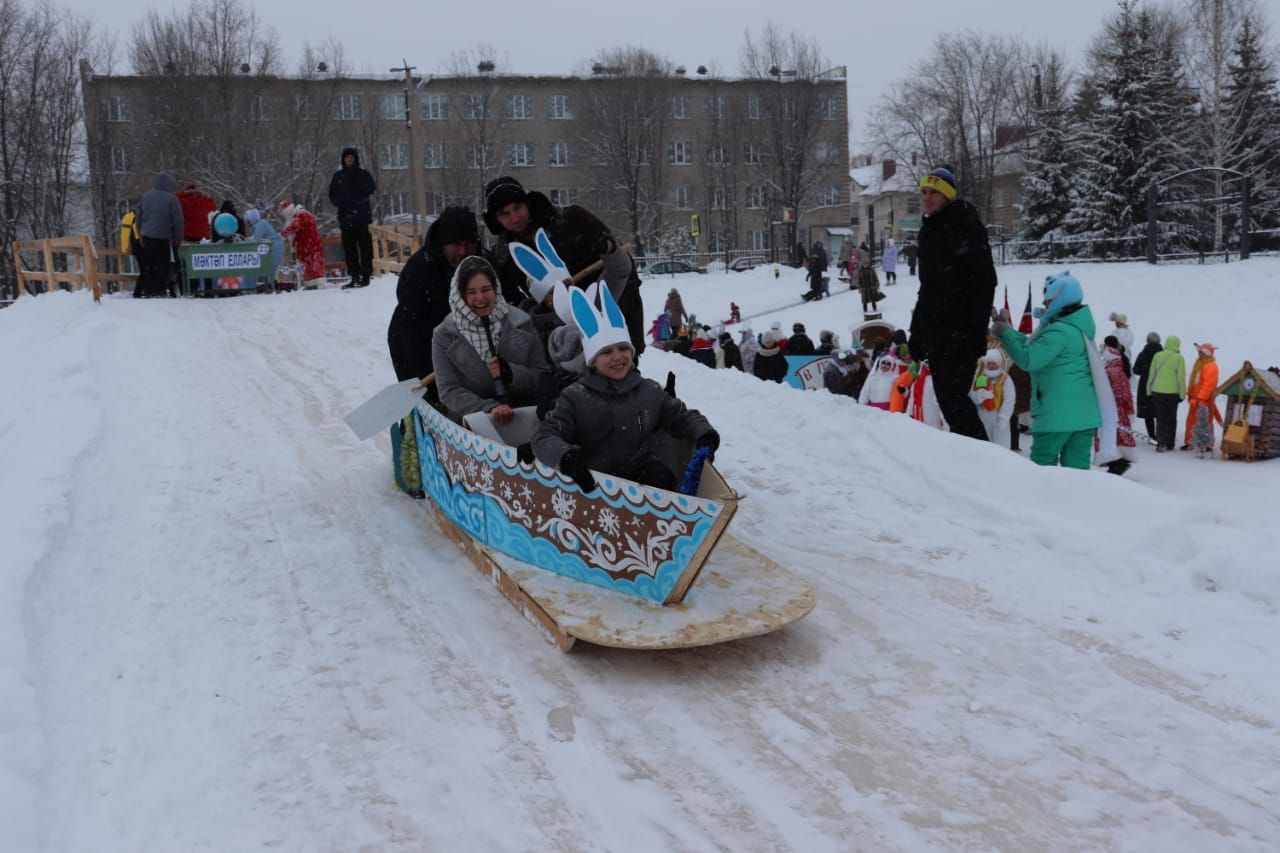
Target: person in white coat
(994, 395)
(1123, 333)
(877, 391)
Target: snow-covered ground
(222, 628)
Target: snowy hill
(222, 628)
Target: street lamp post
(415, 168)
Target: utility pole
(415, 167)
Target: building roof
(1269, 387)
(872, 185)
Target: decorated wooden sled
(616, 567)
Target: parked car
(747, 262)
(670, 268)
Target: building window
(480, 155)
(435, 107)
(559, 154)
(789, 108)
(753, 106)
(751, 154)
(830, 196)
(391, 107)
(394, 155)
(434, 156)
(115, 108)
(715, 106)
(475, 106)
(824, 151)
(302, 107)
(119, 159)
(348, 107)
(558, 106)
(680, 153)
(719, 242)
(680, 198)
(829, 107)
(998, 198)
(758, 240)
(395, 204)
(520, 154)
(304, 155)
(436, 203)
(718, 154)
(519, 106)
(755, 197)
(913, 204)
(680, 106)
(258, 109)
(721, 198)
(563, 197)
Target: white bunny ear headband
(600, 328)
(546, 272)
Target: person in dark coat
(580, 238)
(732, 354)
(909, 252)
(349, 191)
(422, 292)
(800, 343)
(953, 308)
(160, 229)
(1141, 369)
(770, 364)
(845, 374)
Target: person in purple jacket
(889, 262)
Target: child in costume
(1202, 387)
(995, 396)
(1113, 361)
(607, 420)
(878, 390)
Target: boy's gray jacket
(462, 375)
(613, 422)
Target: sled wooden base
(740, 593)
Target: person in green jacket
(1064, 403)
(1167, 387)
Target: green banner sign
(220, 260)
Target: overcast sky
(879, 42)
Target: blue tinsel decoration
(693, 471)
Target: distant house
(886, 203)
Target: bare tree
(952, 110)
(1213, 32)
(793, 108)
(626, 115)
(41, 134)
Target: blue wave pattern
(483, 518)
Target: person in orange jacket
(1201, 388)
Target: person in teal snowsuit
(1064, 403)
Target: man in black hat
(957, 289)
(422, 293)
(349, 191)
(580, 238)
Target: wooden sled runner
(616, 567)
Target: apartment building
(672, 162)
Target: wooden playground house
(1252, 415)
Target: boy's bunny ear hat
(599, 328)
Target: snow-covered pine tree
(1046, 184)
(1254, 104)
(1134, 136)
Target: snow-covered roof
(865, 175)
(868, 177)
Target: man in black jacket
(957, 288)
(580, 238)
(349, 191)
(422, 293)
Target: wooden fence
(70, 260)
(392, 246)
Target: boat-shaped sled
(615, 567)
